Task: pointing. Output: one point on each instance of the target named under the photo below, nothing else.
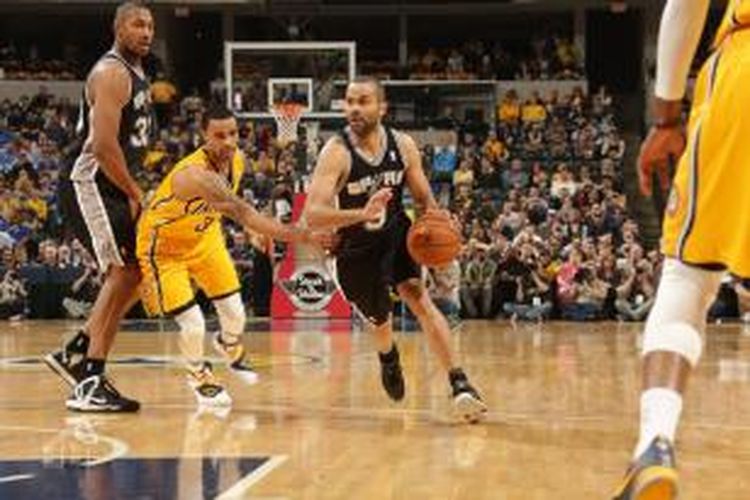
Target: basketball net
(287, 116)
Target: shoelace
(82, 393)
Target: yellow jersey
(178, 226)
(736, 16)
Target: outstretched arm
(197, 182)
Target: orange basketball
(434, 240)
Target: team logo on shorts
(673, 203)
(310, 288)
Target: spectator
(12, 296)
(533, 294)
(477, 282)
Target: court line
(119, 447)
(119, 450)
(240, 487)
(16, 477)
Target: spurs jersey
(364, 179)
(136, 125)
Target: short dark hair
(125, 8)
(215, 112)
(375, 82)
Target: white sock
(660, 414)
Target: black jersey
(136, 125)
(364, 180)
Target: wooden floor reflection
(562, 419)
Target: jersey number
(140, 136)
(376, 224)
(204, 225)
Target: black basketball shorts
(367, 276)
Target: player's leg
(105, 226)
(368, 290)
(167, 291)
(214, 271)
(208, 390)
(468, 405)
(407, 275)
(672, 346)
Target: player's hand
(135, 208)
(663, 145)
(444, 214)
(376, 205)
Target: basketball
(434, 240)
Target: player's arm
(679, 33)
(197, 182)
(414, 174)
(319, 209)
(109, 89)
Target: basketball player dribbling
(356, 188)
(100, 201)
(705, 231)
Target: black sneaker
(653, 476)
(391, 375)
(66, 364)
(96, 394)
(467, 404)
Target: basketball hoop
(287, 116)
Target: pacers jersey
(177, 226)
(736, 16)
(136, 125)
(365, 178)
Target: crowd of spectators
(544, 214)
(551, 58)
(27, 64)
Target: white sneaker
(207, 388)
(236, 358)
(467, 404)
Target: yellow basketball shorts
(707, 219)
(167, 287)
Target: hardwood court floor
(562, 421)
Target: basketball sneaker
(467, 403)
(652, 476)
(236, 357)
(207, 388)
(391, 375)
(67, 362)
(96, 394)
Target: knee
(677, 337)
(127, 276)
(191, 321)
(231, 313)
(411, 291)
